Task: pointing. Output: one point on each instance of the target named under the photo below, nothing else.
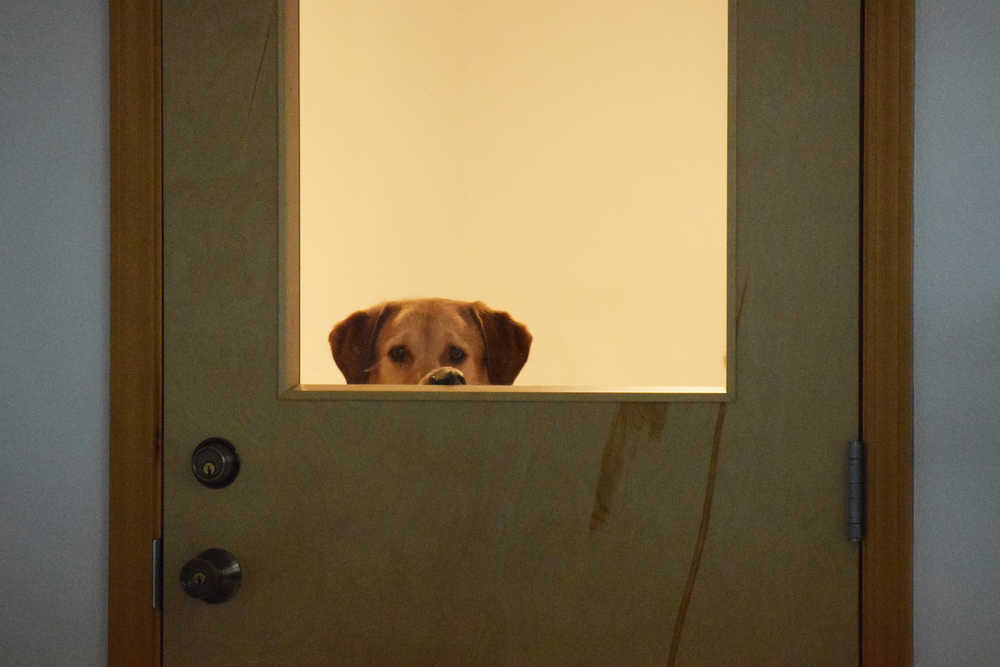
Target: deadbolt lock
(213, 576)
(215, 462)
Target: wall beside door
(53, 331)
(957, 333)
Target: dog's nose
(446, 376)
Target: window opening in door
(565, 163)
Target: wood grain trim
(887, 332)
(134, 627)
(289, 264)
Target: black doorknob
(215, 462)
(212, 576)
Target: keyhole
(208, 468)
(199, 578)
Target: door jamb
(136, 368)
(136, 372)
(887, 331)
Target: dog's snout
(444, 376)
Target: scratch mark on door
(706, 510)
(260, 63)
(699, 545)
(629, 419)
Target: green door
(517, 529)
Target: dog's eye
(456, 354)
(398, 353)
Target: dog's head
(430, 341)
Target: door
(504, 530)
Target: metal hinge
(855, 491)
(157, 573)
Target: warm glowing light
(564, 161)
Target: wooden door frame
(135, 494)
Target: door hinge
(855, 491)
(157, 573)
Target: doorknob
(212, 576)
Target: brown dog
(430, 341)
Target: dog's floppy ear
(352, 342)
(507, 343)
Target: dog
(430, 341)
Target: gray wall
(53, 331)
(54, 312)
(957, 333)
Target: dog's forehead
(432, 316)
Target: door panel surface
(515, 532)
